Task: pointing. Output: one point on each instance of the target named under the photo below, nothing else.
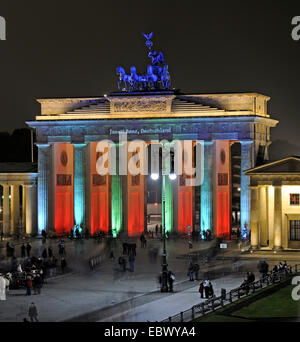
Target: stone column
(29, 211)
(15, 209)
(263, 217)
(277, 217)
(206, 188)
(6, 225)
(44, 173)
(79, 184)
(254, 218)
(23, 209)
(247, 161)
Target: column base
(254, 248)
(277, 248)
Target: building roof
(18, 167)
(158, 104)
(288, 165)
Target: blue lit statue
(157, 76)
(122, 77)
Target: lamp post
(164, 265)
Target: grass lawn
(277, 305)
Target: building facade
(275, 204)
(70, 191)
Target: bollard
(203, 309)
(193, 313)
(170, 319)
(230, 297)
(181, 316)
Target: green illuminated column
(116, 204)
(79, 184)
(116, 198)
(169, 205)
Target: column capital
(79, 145)
(42, 145)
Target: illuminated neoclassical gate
(69, 129)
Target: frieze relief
(140, 106)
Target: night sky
(72, 48)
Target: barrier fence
(215, 303)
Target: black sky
(69, 49)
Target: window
(294, 199)
(222, 178)
(295, 230)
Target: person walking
(23, 251)
(28, 249)
(33, 313)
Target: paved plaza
(106, 294)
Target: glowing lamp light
(172, 176)
(156, 204)
(155, 176)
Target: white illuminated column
(43, 185)
(247, 161)
(277, 217)
(6, 225)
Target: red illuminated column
(184, 195)
(222, 188)
(63, 187)
(136, 200)
(100, 195)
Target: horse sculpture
(123, 77)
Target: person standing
(50, 252)
(28, 286)
(131, 262)
(28, 249)
(33, 313)
(210, 290)
(201, 288)
(196, 271)
(63, 264)
(156, 230)
(44, 254)
(23, 251)
(206, 288)
(191, 271)
(171, 278)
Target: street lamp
(164, 280)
